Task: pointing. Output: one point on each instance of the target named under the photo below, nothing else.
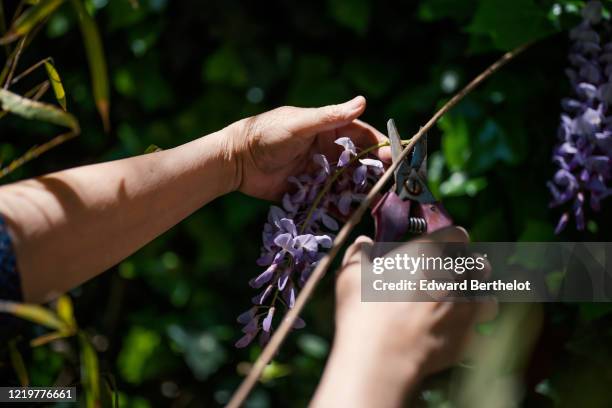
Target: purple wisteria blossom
(584, 152)
(296, 236)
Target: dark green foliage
(163, 320)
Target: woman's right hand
(384, 349)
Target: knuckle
(334, 114)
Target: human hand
(384, 349)
(270, 147)
(428, 335)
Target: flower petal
(329, 222)
(347, 143)
(359, 175)
(267, 322)
(344, 203)
(244, 340)
(324, 240)
(344, 159)
(245, 317)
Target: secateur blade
(411, 174)
(409, 206)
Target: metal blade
(396, 142)
(419, 157)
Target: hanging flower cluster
(584, 152)
(297, 235)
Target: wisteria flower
(296, 235)
(348, 152)
(584, 152)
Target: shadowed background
(163, 321)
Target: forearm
(359, 374)
(69, 226)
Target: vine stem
(285, 327)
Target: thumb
(328, 117)
(353, 252)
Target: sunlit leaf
(90, 372)
(18, 365)
(29, 18)
(56, 84)
(65, 310)
(34, 313)
(275, 370)
(34, 110)
(96, 59)
(152, 149)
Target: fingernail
(356, 102)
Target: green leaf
(33, 313)
(139, 350)
(314, 346)
(65, 310)
(511, 23)
(152, 149)
(29, 18)
(455, 142)
(30, 109)
(275, 370)
(458, 184)
(353, 14)
(225, 66)
(432, 10)
(56, 84)
(96, 60)
(90, 372)
(18, 365)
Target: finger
(353, 252)
(449, 234)
(326, 117)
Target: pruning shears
(409, 206)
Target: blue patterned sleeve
(10, 285)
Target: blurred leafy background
(162, 321)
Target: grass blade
(56, 84)
(35, 152)
(33, 313)
(96, 60)
(65, 310)
(152, 149)
(30, 109)
(48, 338)
(90, 373)
(29, 18)
(54, 80)
(18, 365)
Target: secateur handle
(394, 218)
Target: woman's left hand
(270, 147)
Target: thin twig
(29, 70)
(7, 50)
(35, 152)
(286, 325)
(43, 87)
